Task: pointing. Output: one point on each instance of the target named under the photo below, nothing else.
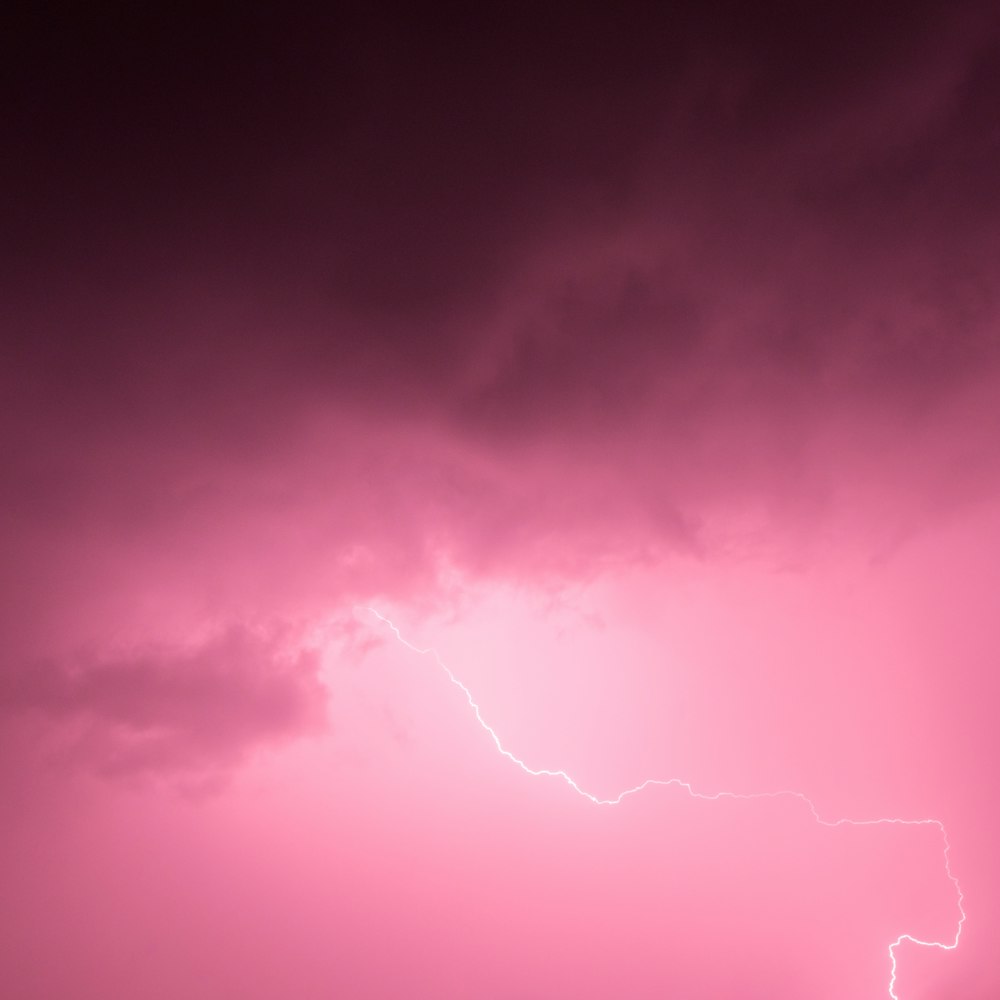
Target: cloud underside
(194, 710)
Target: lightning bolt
(710, 796)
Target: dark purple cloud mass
(170, 710)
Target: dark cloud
(172, 711)
(300, 307)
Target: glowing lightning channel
(713, 796)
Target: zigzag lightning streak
(677, 782)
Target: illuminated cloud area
(646, 367)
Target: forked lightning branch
(693, 793)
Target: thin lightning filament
(711, 796)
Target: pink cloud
(171, 710)
(682, 324)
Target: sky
(401, 403)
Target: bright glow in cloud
(679, 783)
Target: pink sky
(647, 368)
